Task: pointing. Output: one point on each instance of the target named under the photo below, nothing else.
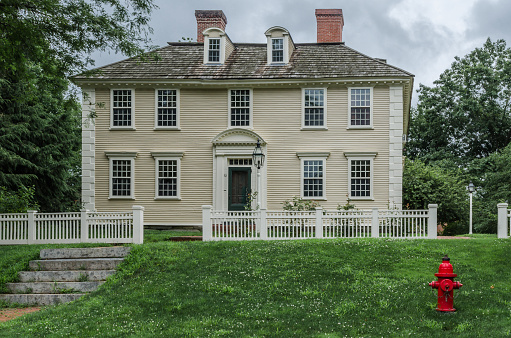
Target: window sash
(167, 182)
(314, 108)
(121, 178)
(360, 178)
(240, 108)
(277, 50)
(167, 108)
(214, 50)
(360, 103)
(313, 178)
(122, 108)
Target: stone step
(54, 287)
(64, 276)
(75, 264)
(101, 252)
(40, 299)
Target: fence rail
(280, 225)
(504, 221)
(74, 227)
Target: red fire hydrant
(445, 286)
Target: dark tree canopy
(466, 114)
(41, 43)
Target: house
(178, 132)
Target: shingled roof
(248, 61)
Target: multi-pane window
(360, 178)
(122, 104)
(360, 103)
(313, 178)
(277, 50)
(121, 178)
(314, 108)
(167, 178)
(167, 108)
(239, 108)
(214, 50)
(240, 161)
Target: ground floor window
(122, 174)
(360, 176)
(313, 172)
(168, 175)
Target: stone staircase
(64, 275)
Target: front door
(239, 187)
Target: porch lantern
(258, 161)
(471, 188)
(258, 156)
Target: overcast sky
(419, 36)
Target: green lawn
(365, 287)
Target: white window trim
(313, 157)
(178, 108)
(251, 109)
(132, 127)
(363, 157)
(170, 157)
(269, 50)
(222, 49)
(324, 126)
(371, 112)
(122, 156)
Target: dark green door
(239, 187)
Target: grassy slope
(290, 288)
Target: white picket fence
(504, 221)
(279, 225)
(73, 227)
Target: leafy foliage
(466, 114)
(427, 184)
(17, 201)
(299, 204)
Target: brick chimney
(330, 23)
(207, 19)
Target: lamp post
(258, 161)
(471, 189)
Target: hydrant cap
(445, 269)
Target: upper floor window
(240, 108)
(167, 108)
(277, 50)
(122, 108)
(360, 102)
(214, 50)
(314, 112)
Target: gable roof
(248, 61)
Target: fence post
(31, 226)
(263, 230)
(502, 222)
(84, 226)
(319, 222)
(138, 224)
(207, 231)
(375, 226)
(432, 221)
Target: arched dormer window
(280, 46)
(217, 46)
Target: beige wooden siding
(277, 117)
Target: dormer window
(277, 50)
(280, 46)
(214, 50)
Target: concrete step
(101, 252)
(75, 264)
(54, 287)
(65, 276)
(40, 299)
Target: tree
(425, 184)
(41, 43)
(466, 114)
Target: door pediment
(238, 137)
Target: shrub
(18, 201)
(299, 204)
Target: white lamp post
(258, 161)
(471, 189)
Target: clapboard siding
(277, 117)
